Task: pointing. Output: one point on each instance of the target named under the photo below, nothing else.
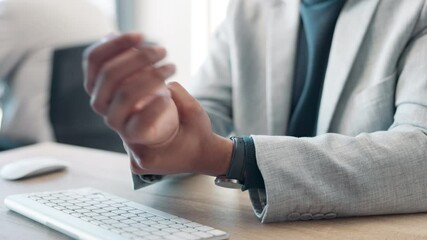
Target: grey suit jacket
(370, 155)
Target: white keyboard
(91, 214)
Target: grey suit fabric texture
(370, 153)
(369, 156)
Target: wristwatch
(235, 177)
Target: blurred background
(41, 46)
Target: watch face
(222, 181)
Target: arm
(335, 175)
(370, 174)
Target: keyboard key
(90, 208)
(166, 222)
(87, 219)
(72, 207)
(118, 217)
(193, 225)
(110, 209)
(126, 234)
(105, 226)
(117, 230)
(119, 211)
(97, 210)
(96, 222)
(99, 218)
(149, 229)
(173, 237)
(156, 219)
(111, 221)
(177, 226)
(128, 221)
(153, 237)
(204, 228)
(148, 222)
(202, 234)
(67, 211)
(145, 215)
(180, 220)
(217, 232)
(130, 229)
(141, 233)
(170, 230)
(77, 215)
(158, 226)
(129, 215)
(119, 224)
(189, 230)
(59, 207)
(109, 214)
(187, 236)
(161, 233)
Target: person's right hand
(165, 129)
(122, 80)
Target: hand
(165, 129)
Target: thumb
(186, 104)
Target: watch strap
(237, 164)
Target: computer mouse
(30, 167)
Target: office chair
(7, 143)
(71, 116)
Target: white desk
(193, 197)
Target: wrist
(219, 156)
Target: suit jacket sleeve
(369, 174)
(333, 175)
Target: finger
(97, 54)
(143, 127)
(103, 98)
(121, 68)
(131, 98)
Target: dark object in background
(71, 116)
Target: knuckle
(142, 56)
(158, 74)
(91, 55)
(97, 106)
(110, 122)
(107, 71)
(125, 41)
(123, 95)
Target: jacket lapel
(282, 34)
(350, 31)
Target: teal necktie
(319, 18)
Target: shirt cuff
(140, 181)
(253, 176)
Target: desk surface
(192, 197)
